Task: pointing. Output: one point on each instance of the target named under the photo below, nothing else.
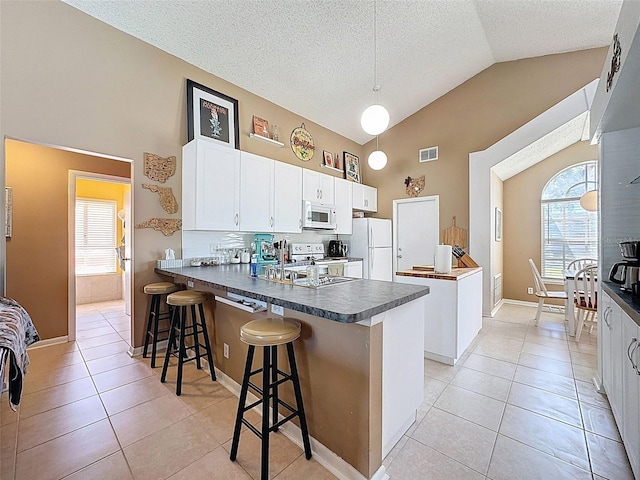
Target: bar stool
(179, 328)
(269, 333)
(156, 290)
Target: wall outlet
(189, 283)
(277, 309)
(226, 350)
(530, 290)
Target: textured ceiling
(316, 58)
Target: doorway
(39, 267)
(100, 244)
(416, 231)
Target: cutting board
(454, 235)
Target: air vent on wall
(497, 289)
(428, 154)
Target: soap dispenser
(312, 274)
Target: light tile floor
(518, 405)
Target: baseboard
(321, 454)
(134, 352)
(49, 341)
(497, 307)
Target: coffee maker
(629, 268)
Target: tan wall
(37, 253)
(522, 220)
(70, 80)
(470, 118)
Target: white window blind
(569, 232)
(95, 236)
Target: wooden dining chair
(541, 290)
(580, 263)
(586, 300)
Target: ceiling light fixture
(375, 118)
(377, 159)
(589, 201)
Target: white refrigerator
(371, 241)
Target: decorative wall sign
(414, 185)
(8, 211)
(302, 143)
(167, 199)
(158, 168)
(212, 115)
(168, 226)
(615, 61)
(260, 127)
(328, 159)
(351, 167)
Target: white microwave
(317, 216)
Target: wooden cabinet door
(287, 198)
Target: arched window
(569, 231)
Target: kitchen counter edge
(345, 303)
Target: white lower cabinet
(344, 206)
(620, 353)
(210, 186)
(630, 393)
(353, 269)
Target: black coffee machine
(337, 249)
(629, 268)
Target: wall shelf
(332, 169)
(268, 140)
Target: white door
(416, 231)
(127, 253)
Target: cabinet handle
(237, 217)
(300, 223)
(605, 317)
(630, 352)
(271, 221)
(320, 194)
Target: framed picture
(498, 225)
(351, 167)
(328, 159)
(212, 115)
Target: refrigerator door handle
(372, 236)
(372, 259)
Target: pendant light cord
(376, 87)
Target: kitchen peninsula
(360, 357)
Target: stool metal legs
(269, 392)
(179, 329)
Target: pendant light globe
(377, 160)
(589, 201)
(375, 119)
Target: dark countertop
(623, 299)
(346, 302)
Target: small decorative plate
(302, 143)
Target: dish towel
(336, 269)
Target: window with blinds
(569, 232)
(95, 236)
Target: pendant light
(375, 118)
(377, 159)
(589, 201)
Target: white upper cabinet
(317, 187)
(210, 186)
(343, 202)
(365, 198)
(256, 193)
(287, 198)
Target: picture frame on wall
(212, 116)
(351, 164)
(498, 234)
(328, 159)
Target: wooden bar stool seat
(269, 333)
(180, 331)
(157, 290)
